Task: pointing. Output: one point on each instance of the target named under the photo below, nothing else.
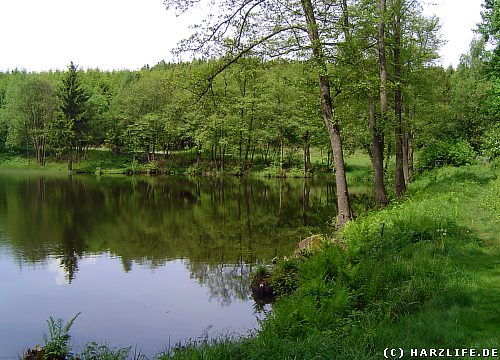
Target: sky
(127, 34)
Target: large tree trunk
(344, 208)
(377, 152)
(377, 135)
(382, 61)
(399, 181)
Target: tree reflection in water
(221, 227)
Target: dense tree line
(256, 94)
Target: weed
(285, 277)
(94, 351)
(57, 342)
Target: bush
(490, 143)
(447, 153)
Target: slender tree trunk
(344, 208)
(408, 147)
(308, 155)
(43, 151)
(242, 113)
(282, 152)
(305, 137)
(213, 157)
(305, 200)
(223, 158)
(70, 159)
(27, 144)
(410, 154)
(377, 157)
(240, 145)
(249, 140)
(388, 156)
(399, 181)
(406, 169)
(198, 154)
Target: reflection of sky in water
(150, 308)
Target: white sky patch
(127, 34)
(459, 19)
(109, 34)
(54, 266)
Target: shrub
(57, 342)
(153, 167)
(490, 143)
(491, 201)
(453, 153)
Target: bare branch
(231, 60)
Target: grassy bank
(423, 273)
(104, 162)
(95, 159)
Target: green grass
(358, 168)
(104, 160)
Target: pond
(148, 261)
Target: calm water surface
(147, 261)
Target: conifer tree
(73, 105)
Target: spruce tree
(73, 105)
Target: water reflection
(192, 242)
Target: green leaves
(57, 341)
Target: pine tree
(74, 102)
